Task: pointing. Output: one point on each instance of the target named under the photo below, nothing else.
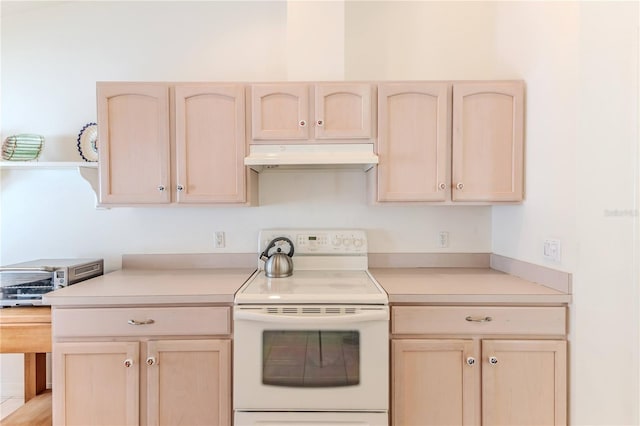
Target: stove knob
(357, 242)
(336, 241)
(346, 242)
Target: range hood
(360, 155)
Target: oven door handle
(312, 319)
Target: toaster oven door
(24, 287)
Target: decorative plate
(88, 142)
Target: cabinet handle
(471, 360)
(128, 362)
(460, 186)
(478, 319)
(442, 186)
(302, 123)
(180, 187)
(160, 188)
(151, 360)
(320, 123)
(493, 360)
(136, 322)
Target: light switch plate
(551, 250)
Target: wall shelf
(88, 170)
(45, 164)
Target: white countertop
(218, 286)
(142, 286)
(462, 285)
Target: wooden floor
(36, 412)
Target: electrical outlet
(219, 239)
(551, 250)
(443, 239)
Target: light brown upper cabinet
(134, 145)
(142, 162)
(413, 141)
(324, 112)
(437, 148)
(210, 143)
(488, 132)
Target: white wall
(52, 56)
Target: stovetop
(330, 267)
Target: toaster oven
(23, 284)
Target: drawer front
(96, 322)
(478, 320)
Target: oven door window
(310, 358)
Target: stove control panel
(320, 241)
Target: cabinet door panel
(433, 384)
(342, 111)
(488, 121)
(189, 382)
(413, 141)
(210, 145)
(133, 138)
(280, 111)
(93, 385)
(527, 383)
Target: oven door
(311, 358)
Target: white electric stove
(330, 266)
(313, 346)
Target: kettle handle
(272, 244)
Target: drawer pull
(471, 360)
(493, 360)
(478, 319)
(128, 362)
(151, 360)
(136, 322)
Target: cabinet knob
(460, 185)
(442, 186)
(493, 360)
(302, 123)
(160, 188)
(320, 123)
(471, 360)
(151, 360)
(180, 187)
(128, 362)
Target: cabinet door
(488, 136)
(189, 382)
(435, 382)
(342, 111)
(413, 141)
(95, 383)
(524, 382)
(133, 138)
(280, 111)
(210, 144)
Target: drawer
(169, 321)
(478, 320)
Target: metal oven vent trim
(311, 310)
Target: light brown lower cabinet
(476, 379)
(142, 366)
(184, 381)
